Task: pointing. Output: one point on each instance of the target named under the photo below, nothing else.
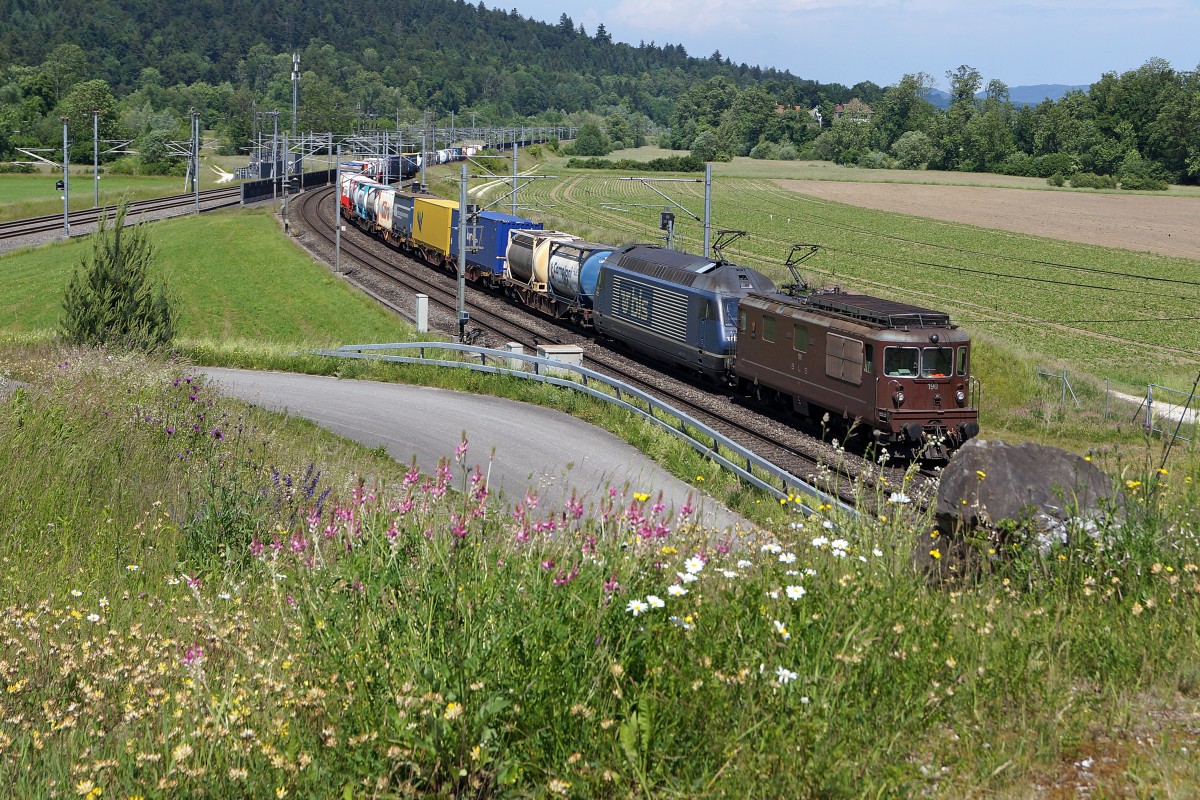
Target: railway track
(54, 222)
(495, 321)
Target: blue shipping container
(494, 228)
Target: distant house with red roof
(854, 110)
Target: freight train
(897, 371)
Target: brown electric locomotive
(899, 370)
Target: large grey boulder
(1042, 494)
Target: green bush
(1144, 183)
(1019, 164)
(764, 150)
(1055, 164)
(1090, 180)
(1056, 179)
(109, 299)
(874, 159)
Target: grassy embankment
(218, 624)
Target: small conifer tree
(109, 300)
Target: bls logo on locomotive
(631, 301)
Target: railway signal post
(66, 181)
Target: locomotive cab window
(742, 322)
(937, 362)
(868, 358)
(729, 307)
(901, 362)
(706, 309)
(800, 338)
(962, 361)
(768, 329)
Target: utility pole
(462, 255)
(707, 205)
(274, 159)
(286, 158)
(337, 214)
(66, 181)
(96, 158)
(295, 89)
(514, 200)
(424, 158)
(196, 156)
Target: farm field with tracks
(1087, 281)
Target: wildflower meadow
(202, 600)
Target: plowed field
(1153, 224)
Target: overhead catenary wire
(1009, 276)
(993, 255)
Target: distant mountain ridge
(1019, 95)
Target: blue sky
(847, 41)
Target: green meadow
(235, 279)
(34, 195)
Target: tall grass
(238, 623)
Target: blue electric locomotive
(676, 307)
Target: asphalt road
(531, 448)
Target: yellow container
(432, 223)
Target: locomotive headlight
(900, 398)
(960, 396)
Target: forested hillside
(145, 65)
(369, 60)
(1139, 129)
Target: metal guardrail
(702, 438)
